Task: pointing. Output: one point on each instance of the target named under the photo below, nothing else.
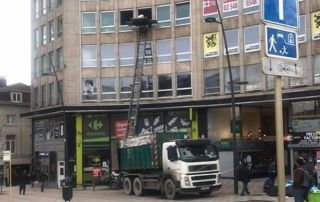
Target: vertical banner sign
(315, 22)
(230, 8)
(210, 8)
(211, 45)
(120, 128)
(250, 6)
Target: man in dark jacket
(244, 177)
(299, 189)
(23, 180)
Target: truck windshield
(198, 153)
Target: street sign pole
(279, 139)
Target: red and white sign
(96, 172)
(230, 5)
(209, 7)
(250, 3)
(120, 128)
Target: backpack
(306, 179)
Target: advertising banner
(230, 8)
(95, 129)
(315, 23)
(120, 128)
(250, 6)
(211, 44)
(209, 7)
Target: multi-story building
(186, 86)
(15, 132)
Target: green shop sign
(95, 129)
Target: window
(125, 87)
(316, 63)
(36, 9)
(147, 47)
(230, 8)
(126, 54)
(164, 50)
(184, 84)
(44, 34)
(270, 82)
(183, 51)
(59, 3)
(36, 97)
(253, 77)
(11, 119)
(89, 55)
(108, 88)
(37, 37)
(232, 41)
(251, 38)
(51, 30)
(16, 97)
(36, 68)
(44, 7)
(59, 58)
(163, 16)
(183, 13)
(125, 16)
(107, 22)
(88, 22)
(146, 12)
(235, 77)
(44, 64)
(164, 85)
(302, 29)
(11, 143)
(108, 57)
(89, 89)
(59, 92)
(51, 4)
(211, 82)
(147, 86)
(43, 96)
(50, 60)
(59, 26)
(51, 94)
(305, 80)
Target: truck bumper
(199, 189)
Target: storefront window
(309, 107)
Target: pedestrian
(23, 180)
(272, 171)
(43, 178)
(244, 177)
(299, 183)
(32, 177)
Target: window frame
(252, 44)
(94, 93)
(164, 23)
(125, 28)
(44, 35)
(183, 88)
(92, 62)
(150, 91)
(102, 59)
(126, 58)
(147, 57)
(112, 93)
(125, 95)
(89, 28)
(163, 90)
(51, 30)
(304, 36)
(250, 87)
(12, 143)
(184, 18)
(216, 89)
(16, 97)
(233, 47)
(183, 53)
(164, 55)
(11, 119)
(108, 26)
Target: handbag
(306, 179)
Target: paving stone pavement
(101, 194)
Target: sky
(15, 41)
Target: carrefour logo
(95, 125)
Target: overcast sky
(15, 41)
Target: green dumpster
(314, 196)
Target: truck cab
(191, 166)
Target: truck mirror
(172, 153)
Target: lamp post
(233, 111)
(60, 95)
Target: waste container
(67, 190)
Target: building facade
(185, 88)
(15, 132)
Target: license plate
(204, 188)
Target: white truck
(169, 165)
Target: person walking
(43, 178)
(32, 177)
(299, 187)
(23, 180)
(244, 177)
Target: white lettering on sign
(281, 11)
(250, 3)
(230, 5)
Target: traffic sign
(281, 12)
(282, 68)
(6, 156)
(281, 43)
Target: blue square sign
(281, 12)
(281, 43)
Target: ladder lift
(144, 51)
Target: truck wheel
(127, 186)
(170, 189)
(137, 186)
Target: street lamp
(233, 112)
(60, 95)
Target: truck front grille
(202, 168)
(206, 183)
(203, 177)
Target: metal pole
(64, 120)
(279, 139)
(233, 111)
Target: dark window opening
(125, 16)
(147, 12)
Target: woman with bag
(300, 181)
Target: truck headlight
(219, 179)
(187, 181)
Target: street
(101, 194)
